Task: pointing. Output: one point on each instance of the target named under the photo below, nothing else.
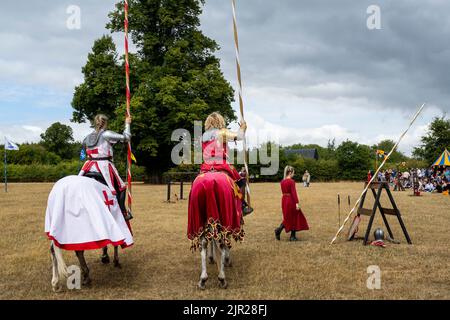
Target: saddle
(120, 195)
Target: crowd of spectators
(423, 180)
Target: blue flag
(82, 154)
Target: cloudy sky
(312, 70)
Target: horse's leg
(220, 260)
(55, 278)
(105, 256)
(116, 258)
(204, 275)
(211, 253)
(228, 262)
(84, 268)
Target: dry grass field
(161, 266)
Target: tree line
(57, 155)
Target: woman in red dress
(293, 218)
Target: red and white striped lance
(241, 101)
(128, 94)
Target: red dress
(293, 219)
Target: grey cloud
(301, 46)
(400, 66)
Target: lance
(241, 101)
(376, 172)
(128, 114)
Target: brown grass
(160, 265)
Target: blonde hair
(215, 121)
(288, 170)
(100, 122)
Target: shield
(353, 228)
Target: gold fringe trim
(215, 231)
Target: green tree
(103, 80)
(435, 141)
(176, 77)
(58, 138)
(386, 146)
(353, 160)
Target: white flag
(9, 145)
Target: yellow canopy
(443, 160)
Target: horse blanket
(83, 214)
(215, 209)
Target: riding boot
(278, 231)
(126, 212)
(246, 209)
(128, 215)
(293, 237)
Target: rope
(241, 101)
(376, 173)
(128, 94)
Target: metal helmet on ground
(378, 234)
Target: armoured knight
(99, 165)
(215, 151)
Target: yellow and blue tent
(443, 160)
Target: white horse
(83, 214)
(217, 253)
(214, 219)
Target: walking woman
(293, 218)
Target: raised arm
(113, 137)
(227, 135)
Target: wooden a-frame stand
(379, 187)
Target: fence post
(168, 191)
(181, 190)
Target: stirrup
(247, 210)
(128, 216)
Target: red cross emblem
(107, 201)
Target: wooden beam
(389, 211)
(365, 212)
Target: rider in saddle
(99, 150)
(215, 150)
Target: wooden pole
(128, 98)
(6, 172)
(376, 172)
(241, 101)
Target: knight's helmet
(378, 234)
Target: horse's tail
(60, 263)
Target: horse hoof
(57, 288)
(117, 265)
(87, 281)
(202, 284)
(105, 259)
(223, 283)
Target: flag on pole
(381, 153)
(9, 145)
(133, 157)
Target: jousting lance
(241, 101)
(128, 114)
